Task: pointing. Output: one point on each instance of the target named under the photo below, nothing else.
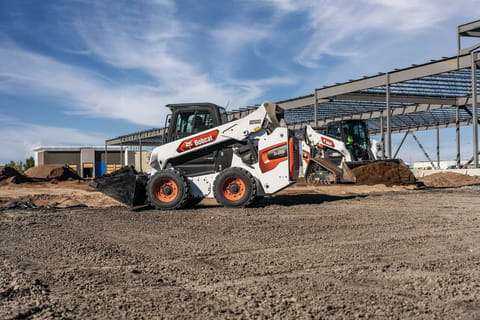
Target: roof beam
(424, 127)
(357, 96)
(471, 26)
(401, 75)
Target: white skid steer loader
(237, 162)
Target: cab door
(187, 122)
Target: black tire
(228, 196)
(167, 190)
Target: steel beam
(106, 157)
(438, 148)
(389, 117)
(397, 98)
(422, 127)
(121, 155)
(423, 150)
(415, 72)
(382, 133)
(474, 110)
(471, 26)
(457, 131)
(315, 109)
(140, 149)
(401, 143)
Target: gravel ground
(411, 254)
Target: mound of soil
(41, 172)
(53, 172)
(12, 175)
(388, 173)
(449, 179)
(63, 173)
(127, 169)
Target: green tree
(11, 164)
(17, 165)
(29, 163)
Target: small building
(88, 162)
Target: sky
(79, 72)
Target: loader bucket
(127, 188)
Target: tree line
(22, 166)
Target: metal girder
(364, 96)
(401, 144)
(468, 27)
(415, 72)
(145, 136)
(421, 148)
(423, 127)
(378, 113)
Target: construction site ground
(305, 253)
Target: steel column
(382, 133)
(121, 155)
(474, 111)
(315, 109)
(401, 143)
(421, 148)
(457, 129)
(140, 147)
(106, 157)
(389, 118)
(438, 148)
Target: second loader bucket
(127, 187)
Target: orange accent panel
(293, 154)
(267, 164)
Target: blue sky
(78, 72)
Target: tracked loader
(331, 152)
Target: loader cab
(354, 133)
(191, 118)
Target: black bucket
(128, 188)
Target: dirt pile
(127, 169)
(449, 179)
(12, 175)
(63, 173)
(41, 171)
(384, 172)
(53, 172)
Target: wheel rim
(233, 189)
(166, 190)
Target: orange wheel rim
(166, 190)
(233, 189)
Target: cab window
(335, 132)
(188, 123)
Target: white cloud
(146, 41)
(235, 36)
(346, 28)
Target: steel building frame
(438, 94)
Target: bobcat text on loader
(237, 162)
